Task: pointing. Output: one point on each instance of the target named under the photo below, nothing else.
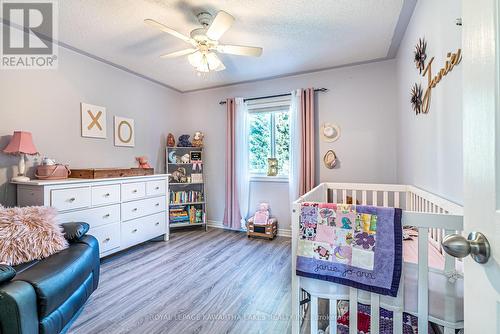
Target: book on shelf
(186, 214)
(179, 197)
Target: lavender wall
(362, 100)
(430, 146)
(47, 103)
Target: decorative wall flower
(420, 54)
(416, 98)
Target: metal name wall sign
(421, 102)
(452, 59)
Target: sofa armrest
(92, 242)
(18, 308)
(75, 231)
(6, 273)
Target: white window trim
(265, 178)
(269, 105)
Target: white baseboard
(287, 233)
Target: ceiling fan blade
(222, 22)
(179, 53)
(168, 30)
(240, 50)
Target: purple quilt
(355, 245)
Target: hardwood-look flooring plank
(198, 282)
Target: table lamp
(21, 144)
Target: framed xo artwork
(93, 121)
(124, 132)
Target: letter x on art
(95, 120)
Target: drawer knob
(134, 191)
(107, 215)
(134, 230)
(107, 239)
(157, 204)
(157, 223)
(134, 209)
(157, 188)
(107, 195)
(72, 199)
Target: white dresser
(121, 212)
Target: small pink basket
(52, 172)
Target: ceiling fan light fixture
(195, 59)
(205, 62)
(214, 63)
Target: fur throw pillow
(29, 233)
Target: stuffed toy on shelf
(143, 162)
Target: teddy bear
(143, 162)
(262, 215)
(184, 141)
(198, 139)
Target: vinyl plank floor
(198, 282)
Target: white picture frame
(93, 121)
(124, 132)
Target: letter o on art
(120, 133)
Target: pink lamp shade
(21, 143)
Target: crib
(431, 294)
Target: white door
(481, 161)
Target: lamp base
(20, 179)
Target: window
(269, 136)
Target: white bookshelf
(179, 209)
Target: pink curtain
(232, 216)
(307, 166)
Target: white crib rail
(433, 216)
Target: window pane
(259, 142)
(282, 137)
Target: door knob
(476, 245)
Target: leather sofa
(45, 296)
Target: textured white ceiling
(297, 35)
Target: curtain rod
(278, 95)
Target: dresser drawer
(105, 195)
(108, 236)
(156, 188)
(94, 217)
(70, 199)
(132, 191)
(142, 229)
(143, 207)
(29, 196)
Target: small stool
(270, 230)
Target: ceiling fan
(205, 42)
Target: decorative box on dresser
(121, 212)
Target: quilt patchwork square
(343, 237)
(364, 240)
(322, 251)
(362, 259)
(325, 233)
(305, 248)
(308, 231)
(342, 254)
(327, 216)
